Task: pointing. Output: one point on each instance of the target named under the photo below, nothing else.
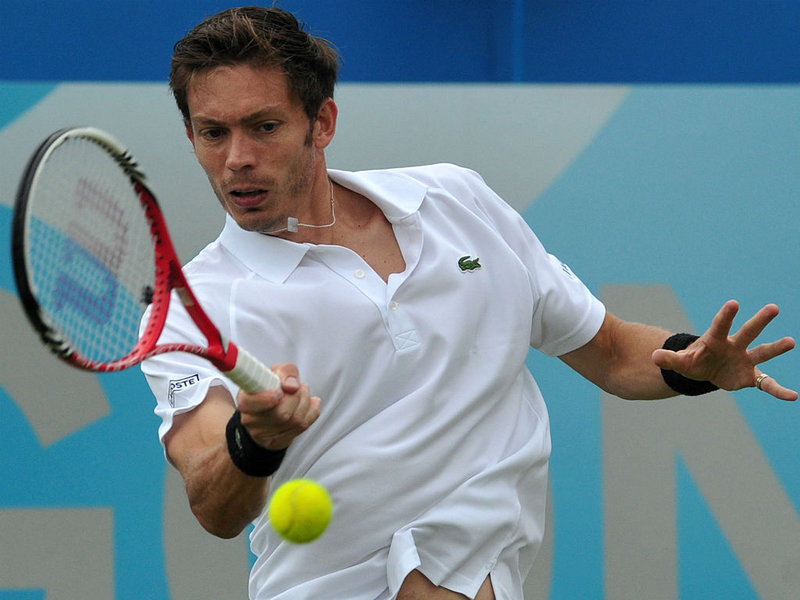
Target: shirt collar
(274, 258)
(394, 192)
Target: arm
(625, 359)
(224, 499)
(618, 360)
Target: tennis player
(398, 308)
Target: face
(261, 153)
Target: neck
(293, 224)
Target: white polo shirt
(433, 439)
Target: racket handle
(251, 375)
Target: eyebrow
(259, 115)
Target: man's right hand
(275, 417)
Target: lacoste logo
(237, 437)
(176, 385)
(465, 263)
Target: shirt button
(360, 274)
(393, 305)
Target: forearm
(223, 499)
(227, 485)
(619, 360)
(634, 375)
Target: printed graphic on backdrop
(670, 197)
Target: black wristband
(679, 383)
(249, 456)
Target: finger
(268, 408)
(285, 414)
(289, 376)
(272, 426)
(257, 403)
(289, 426)
(773, 388)
(764, 352)
(667, 359)
(312, 412)
(755, 325)
(723, 321)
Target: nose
(241, 152)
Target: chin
(253, 221)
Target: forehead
(228, 92)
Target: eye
(268, 127)
(212, 133)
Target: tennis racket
(91, 251)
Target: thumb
(289, 376)
(666, 359)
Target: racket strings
(90, 251)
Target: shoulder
(212, 275)
(440, 175)
(215, 261)
(467, 187)
(434, 181)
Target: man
(408, 299)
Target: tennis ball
(300, 510)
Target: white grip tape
(252, 376)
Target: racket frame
(238, 365)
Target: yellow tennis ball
(300, 510)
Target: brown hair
(259, 37)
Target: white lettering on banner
(640, 443)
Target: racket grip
(251, 375)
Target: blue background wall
(690, 180)
(432, 40)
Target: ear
(325, 125)
(189, 132)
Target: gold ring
(760, 379)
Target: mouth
(248, 197)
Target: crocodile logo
(465, 263)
